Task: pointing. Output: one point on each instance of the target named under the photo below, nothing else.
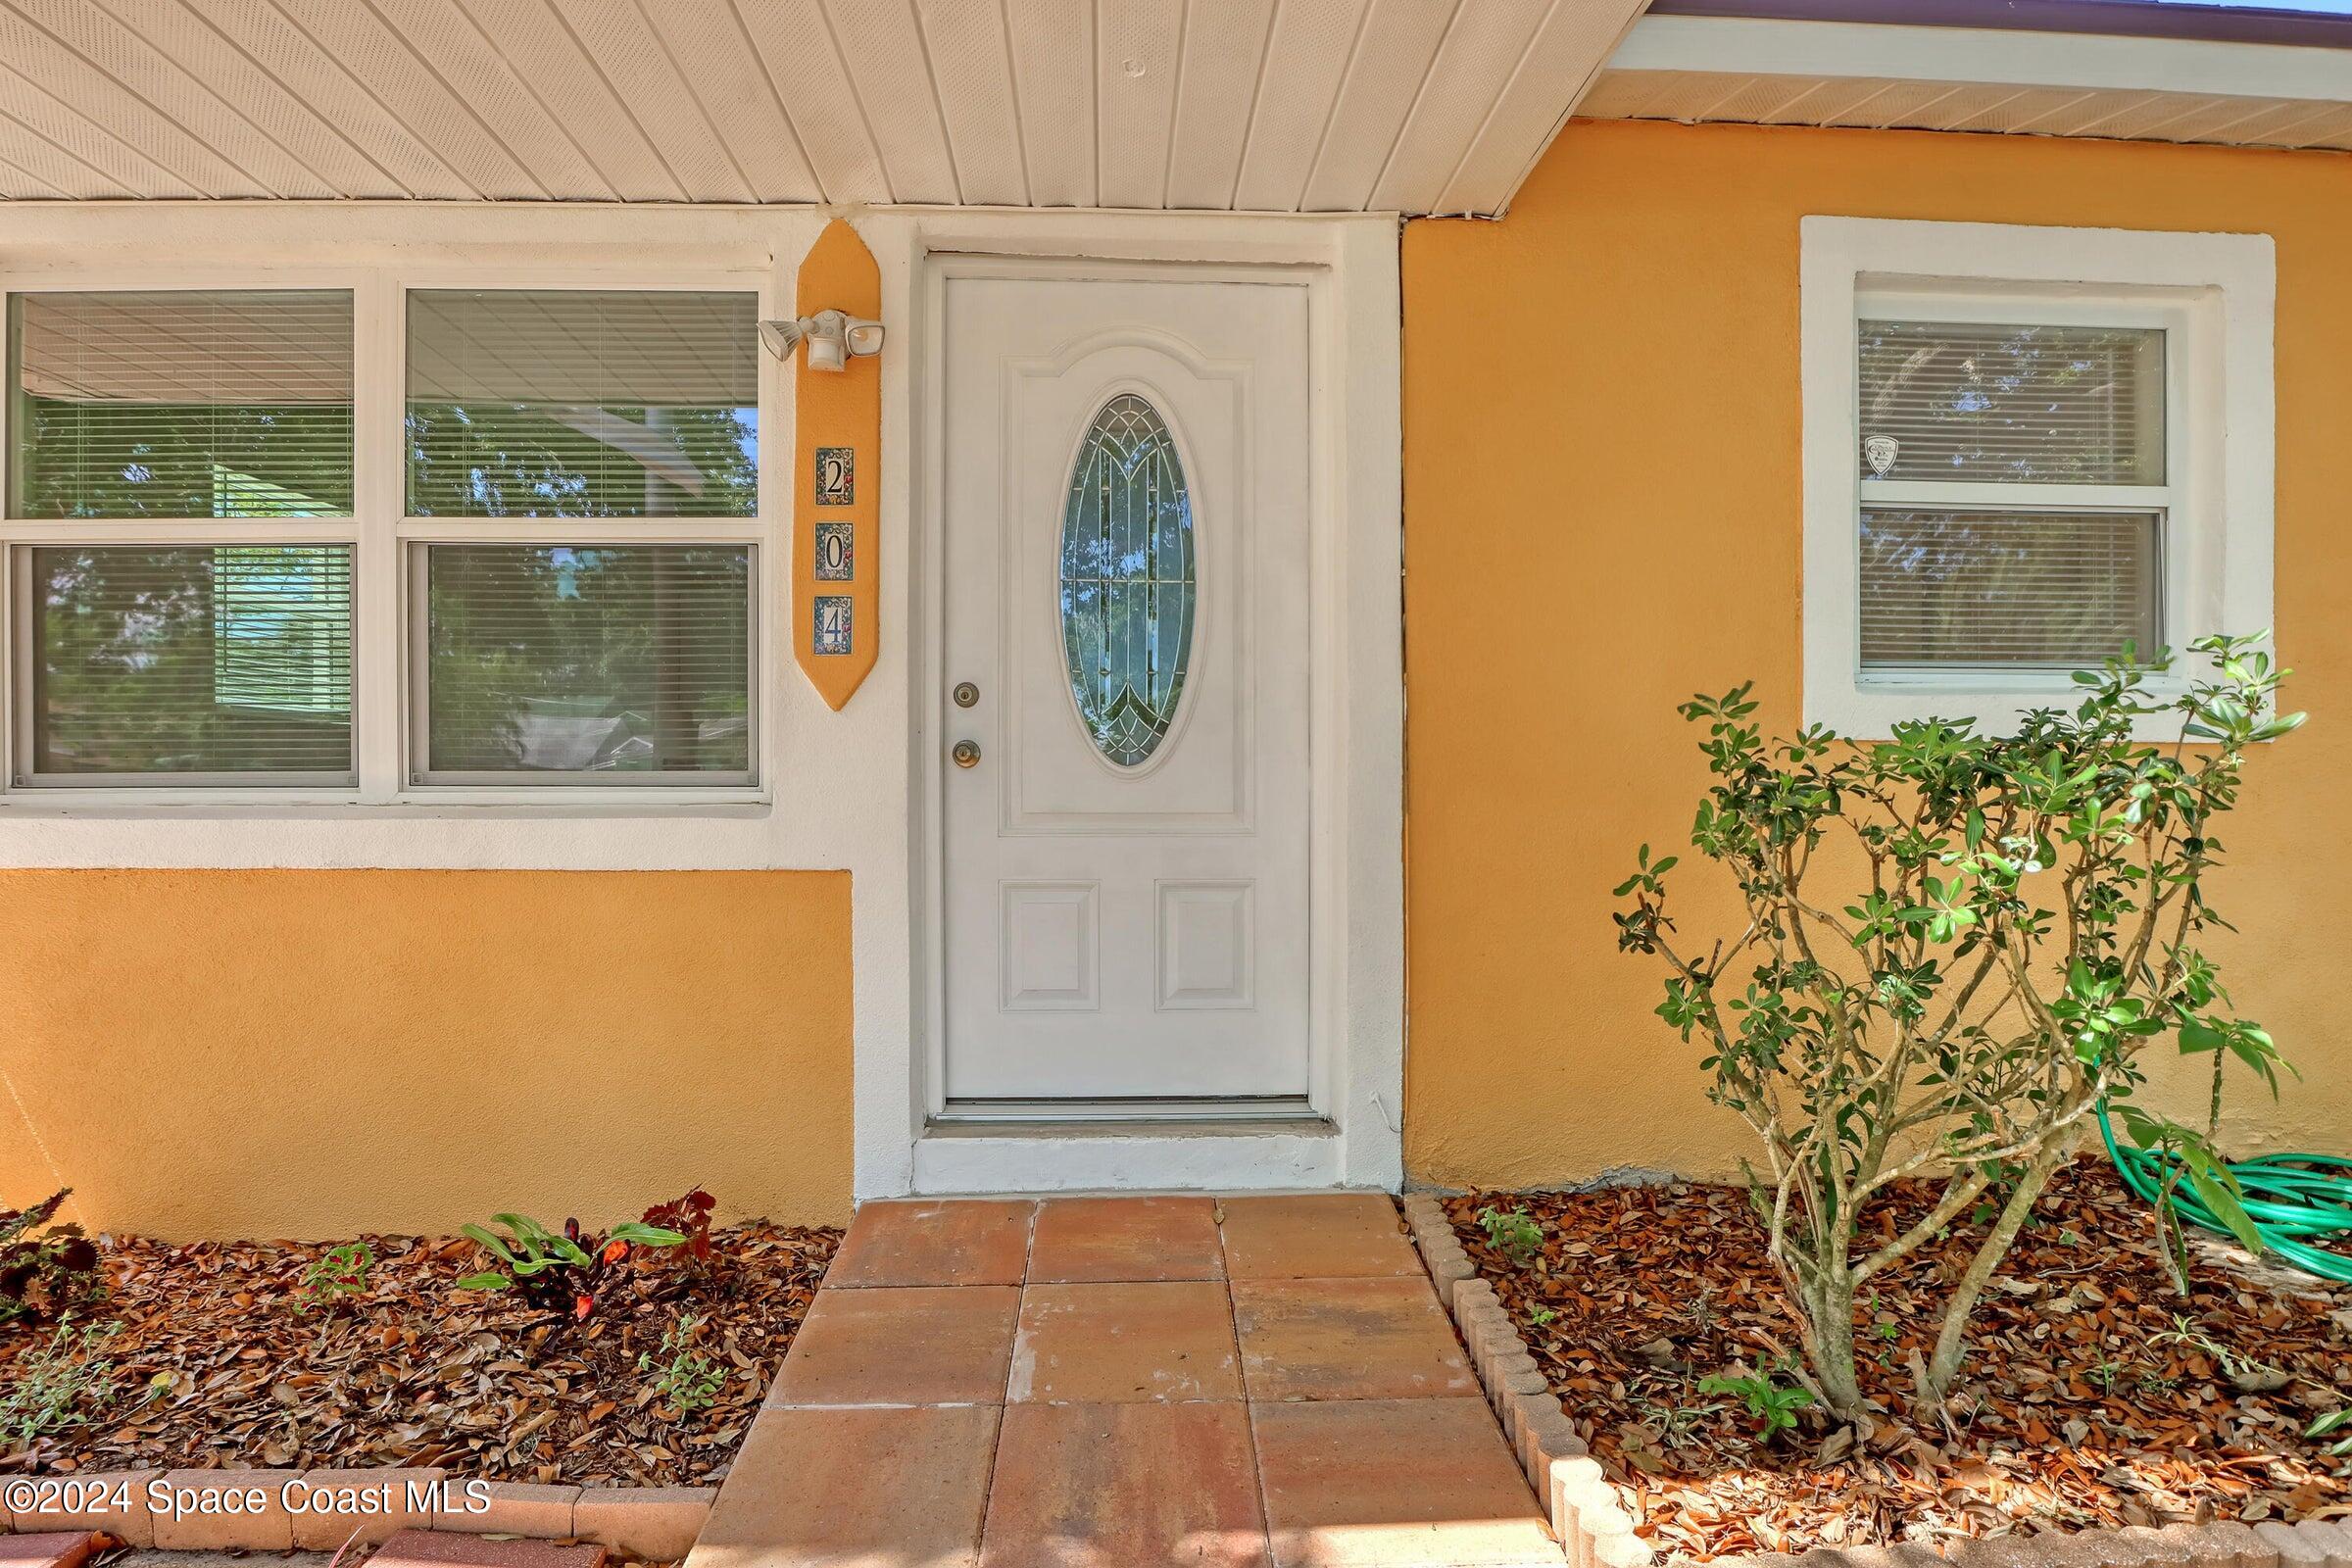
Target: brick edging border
(1597, 1532)
(655, 1524)
(1586, 1515)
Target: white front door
(1125, 515)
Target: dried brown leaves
(218, 1368)
(2083, 1403)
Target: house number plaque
(836, 463)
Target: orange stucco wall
(1602, 507)
(1602, 516)
(315, 1054)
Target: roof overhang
(1428, 106)
(2156, 72)
(2190, 21)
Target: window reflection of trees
(2040, 405)
(215, 656)
(1971, 404)
(517, 459)
(620, 659)
(2059, 590)
(582, 403)
(212, 659)
(116, 459)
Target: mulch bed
(2086, 1401)
(417, 1372)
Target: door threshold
(1289, 1125)
(1184, 1154)
(1128, 1110)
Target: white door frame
(1349, 267)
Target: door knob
(966, 754)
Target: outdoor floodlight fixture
(831, 335)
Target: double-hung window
(183, 537)
(2016, 486)
(613, 646)
(383, 541)
(2027, 452)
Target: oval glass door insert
(1128, 592)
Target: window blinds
(205, 659)
(2040, 405)
(172, 404)
(583, 403)
(1955, 576)
(603, 662)
(2057, 590)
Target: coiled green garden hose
(2288, 1197)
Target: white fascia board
(1998, 57)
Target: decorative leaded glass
(1127, 580)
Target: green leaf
(2197, 1037)
(487, 1241)
(527, 1231)
(486, 1282)
(2283, 724)
(640, 1235)
(2220, 1192)
(2142, 1129)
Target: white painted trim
(2216, 292)
(1986, 57)
(1357, 889)
(1361, 960)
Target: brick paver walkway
(1123, 1382)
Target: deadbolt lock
(966, 694)
(966, 754)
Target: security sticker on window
(832, 623)
(836, 551)
(836, 476)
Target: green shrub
(2009, 925)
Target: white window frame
(20, 536)
(388, 689)
(2214, 295)
(416, 535)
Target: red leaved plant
(44, 1275)
(688, 1217)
